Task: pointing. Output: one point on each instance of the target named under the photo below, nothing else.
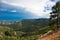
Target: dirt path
(54, 36)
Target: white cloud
(13, 10)
(34, 6)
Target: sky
(25, 9)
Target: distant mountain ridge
(31, 20)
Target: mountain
(29, 29)
(26, 24)
(38, 22)
(33, 24)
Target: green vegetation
(55, 16)
(7, 33)
(23, 30)
(30, 30)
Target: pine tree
(54, 15)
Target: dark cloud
(7, 14)
(54, 0)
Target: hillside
(52, 35)
(33, 24)
(28, 29)
(26, 24)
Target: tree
(55, 15)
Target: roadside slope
(53, 35)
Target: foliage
(55, 15)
